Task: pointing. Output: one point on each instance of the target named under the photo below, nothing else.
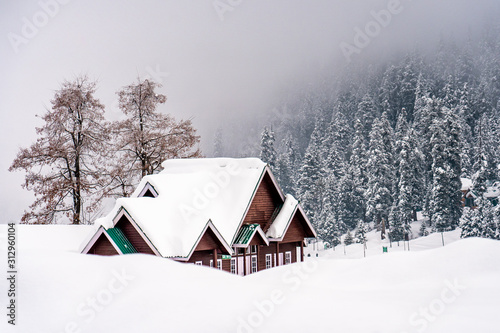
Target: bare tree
(146, 137)
(63, 166)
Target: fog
(217, 60)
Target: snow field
(446, 289)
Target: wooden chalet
(469, 196)
(224, 213)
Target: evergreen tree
(350, 201)
(330, 229)
(267, 151)
(381, 171)
(422, 232)
(445, 208)
(479, 221)
(286, 166)
(348, 239)
(333, 148)
(410, 185)
(396, 225)
(366, 114)
(361, 231)
(218, 143)
(358, 160)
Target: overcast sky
(212, 57)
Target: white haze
(211, 69)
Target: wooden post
(302, 251)
(244, 262)
(257, 257)
(215, 258)
(277, 254)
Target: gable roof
(121, 241)
(101, 231)
(247, 233)
(190, 193)
(280, 225)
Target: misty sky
(214, 58)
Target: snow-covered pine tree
(411, 186)
(330, 229)
(218, 143)
(445, 201)
(396, 225)
(485, 166)
(423, 230)
(466, 140)
(312, 183)
(286, 165)
(479, 221)
(380, 169)
(366, 114)
(267, 151)
(333, 149)
(350, 206)
(496, 220)
(361, 231)
(358, 159)
(348, 239)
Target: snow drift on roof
(190, 193)
(466, 184)
(280, 224)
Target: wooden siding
(206, 255)
(263, 250)
(133, 236)
(103, 247)
(265, 201)
(289, 247)
(296, 231)
(209, 241)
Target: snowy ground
(442, 289)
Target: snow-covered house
(468, 194)
(228, 213)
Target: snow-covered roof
(466, 184)
(282, 220)
(493, 191)
(191, 192)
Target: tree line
(80, 157)
(371, 148)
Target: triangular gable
(134, 233)
(291, 214)
(121, 240)
(148, 191)
(267, 196)
(209, 237)
(101, 244)
(246, 236)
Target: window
(219, 264)
(199, 263)
(233, 265)
(288, 257)
(211, 263)
(269, 263)
(254, 264)
(254, 248)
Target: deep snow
(447, 289)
